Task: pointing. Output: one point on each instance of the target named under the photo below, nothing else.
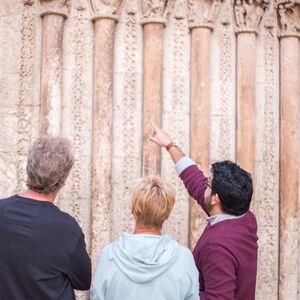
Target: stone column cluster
(288, 13)
(202, 16)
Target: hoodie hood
(143, 257)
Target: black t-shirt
(42, 252)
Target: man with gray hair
(43, 253)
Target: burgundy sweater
(226, 253)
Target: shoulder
(185, 256)
(185, 251)
(191, 170)
(104, 253)
(7, 200)
(66, 219)
(62, 223)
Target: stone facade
(221, 76)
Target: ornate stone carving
(58, 7)
(225, 15)
(203, 13)
(226, 76)
(270, 21)
(288, 13)
(127, 166)
(26, 93)
(248, 14)
(154, 11)
(106, 9)
(267, 170)
(180, 9)
(176, 115)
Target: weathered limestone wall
(221, 76)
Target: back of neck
(38, 196)
(140, 230)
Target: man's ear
(215, 200)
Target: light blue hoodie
(145, 267)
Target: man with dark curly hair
(43, 253)
(226, 252)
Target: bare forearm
(176, 153)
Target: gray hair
(49, 162)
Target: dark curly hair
(233, 186)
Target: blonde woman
(146, 264)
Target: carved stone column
(105, 22)
(248, 14)
(154, 22)
(53, 13)
(202, 16)
(288, 20)
(26, 90)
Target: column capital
(288, 17)
(154, 11)
(106, 9)
(203, 13)
(248, 14)
(55, 7)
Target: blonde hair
(153, 201)
(49, 162)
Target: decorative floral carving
(59, 7)
(288, 13)
(154, 11)
(203, 13)
(106, 8)
(248, 14)
(26, 90)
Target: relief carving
(180, 9)
(248, 14)
(154, 11)
(106, 8)
(127, 168)
(59, 7)
(26, 90)
(226, 17)
(288, 13)
(203, 13)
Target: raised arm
(162, 139)
(193, 178)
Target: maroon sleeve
(194, 181)
(218, 268)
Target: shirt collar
(212, 220)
